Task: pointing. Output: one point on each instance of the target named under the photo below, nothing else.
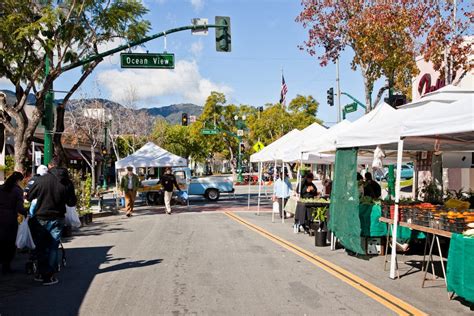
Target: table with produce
(308, 210)
(453, 220)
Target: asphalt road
(182, 264)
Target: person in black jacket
(53, 192)
(11, 204)
(168, 180)
(308, 189)
(371, 188)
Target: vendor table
(303, 212)
(435, 234)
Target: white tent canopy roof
(292, 151)
(449, 124)
(151, 155)
(447, 94)
(273, 151)
(380, 126)
(326, 142)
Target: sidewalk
(433, 299)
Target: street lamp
(240, 123)
(107, 122)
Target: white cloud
(196, 48)
(197, 4)
(184, 83)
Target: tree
(85, 123)
(385, 37)
(29, 32)
(303, 111)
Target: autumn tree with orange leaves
(387, 36)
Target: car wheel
(212, 195)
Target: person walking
(129, 185)
(11, 204)
(53, 192)
(281, 192)
(40, 171)
(168, 181)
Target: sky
(265, 39)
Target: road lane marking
(383, 297)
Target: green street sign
(350, 108)
(148, 61)
(209, 131)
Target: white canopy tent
(151, 155)
(447, 94)
(446, 126)
(272, 153)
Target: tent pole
(274, 179)
(117, 198)
(393, 260)
(283, 198)
(249, 179)
(298, 180)
(259, 186)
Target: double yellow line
(388, 300)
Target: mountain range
(171, 113)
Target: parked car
(382, 174)
(210, 187)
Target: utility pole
(48, 115)
(338, 91)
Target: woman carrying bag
(11, 204)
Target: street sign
(350, 108)
(240, 132)
(37, 158)
(192, 118)
(202, 26)
(258, 146)
(149, 61)
(209, 131)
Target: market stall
(435, 126)
(149, 156)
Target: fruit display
(309, 201)
(433, 216)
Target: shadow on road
(21, 295)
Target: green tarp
(369, 215)
(460, 271)
(344, 216)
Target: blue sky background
(265, 39)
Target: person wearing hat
(129, 185)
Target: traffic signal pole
(48, 103)
(338, 91)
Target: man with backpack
(53, 191)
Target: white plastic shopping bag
(23, 237)
(72, 218)
(276, 207)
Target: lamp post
(240, 123)
(105, 149)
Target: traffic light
(184, 119)
(396, 100)
(242, 147)
(260, 109)
(223, 38)
(330, 96)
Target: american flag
(284, 90)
